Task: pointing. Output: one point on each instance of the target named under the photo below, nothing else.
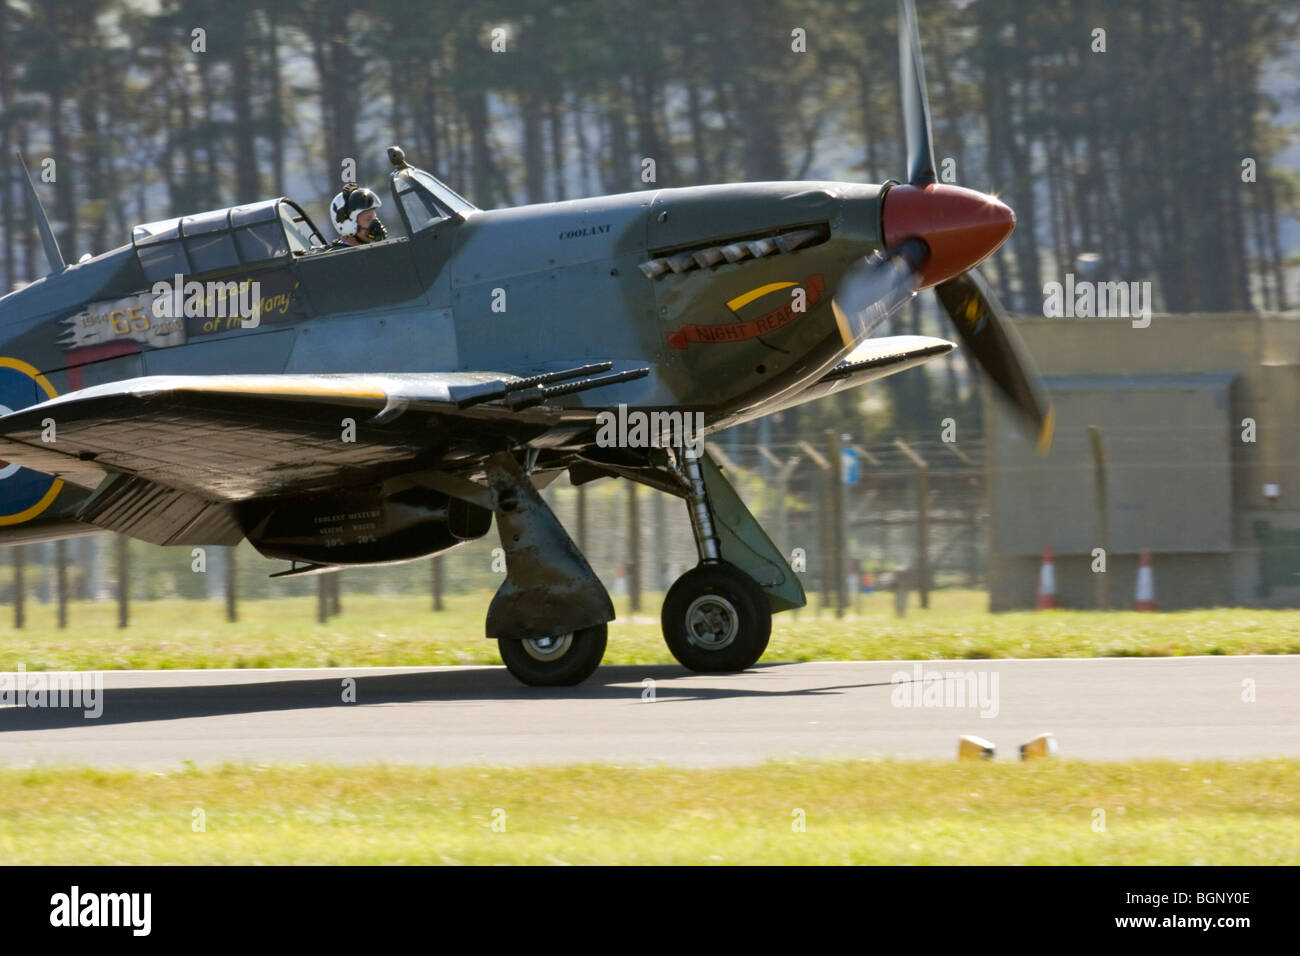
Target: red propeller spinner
(962, 227)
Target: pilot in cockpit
(354, 218)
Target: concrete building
(1199, 418)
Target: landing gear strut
(549, 616)
(716, 618)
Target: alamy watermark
(951, 689)
(75, 908)
(82, 690)
(1085, 299)
(638, 429)
(239, 302)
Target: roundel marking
(24, 493)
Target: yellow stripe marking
(289, 388)
(842, 323)
(740, 301)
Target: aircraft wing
(169, 456)
(873, 359)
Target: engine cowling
(363, 526)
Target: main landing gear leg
(549, 616)
(717, 617)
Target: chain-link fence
(890, 496)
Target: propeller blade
(985, 329)
(875, 288)
(916, 104)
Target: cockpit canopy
(260, 234)
(274, 231)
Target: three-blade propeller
(941, 225)
(916, 103)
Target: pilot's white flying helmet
(348, 205)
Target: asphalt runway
(1180, 708)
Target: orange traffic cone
(1047, 582)
(1145, 599)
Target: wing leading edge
(873, 359)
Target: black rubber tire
(577, 663)
(753, 617)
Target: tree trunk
(694, 115)
(210, 190)
(338, 68)
(247, 185)
(274, 109)
(65, 181)
(555, 111)
(534, 151)
(620, 177)
(6, 151)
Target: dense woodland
(1135, 153)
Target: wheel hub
(712, 622)
(548, 648)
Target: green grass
(396, 630)
(888, 812)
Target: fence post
(232, 588)
(123, 580)
(972, 557)
(1101, 503)
(85, 560)
(582, 518)
(838, 532)
(661, 542)
(823, 521)
(872, 460)
(783, 469)
(61, 580)
(436, 583)
(18, 553)
(922, 520)
(633, 549)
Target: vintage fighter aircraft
(390, 399)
